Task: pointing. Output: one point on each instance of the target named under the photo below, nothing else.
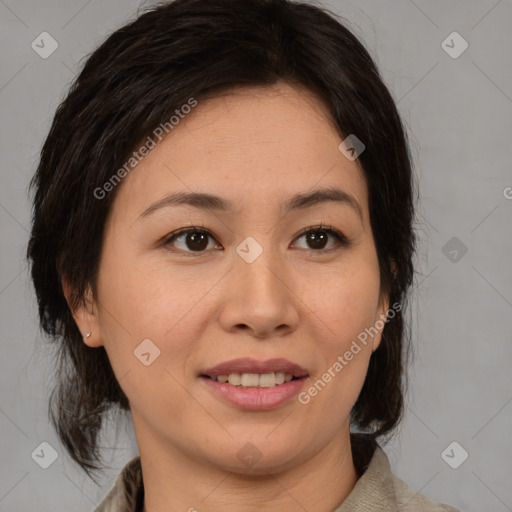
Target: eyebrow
(299, 201)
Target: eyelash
(342, 240)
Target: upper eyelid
(201, 229)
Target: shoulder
(127, 492)
(409, 500)
(379, 489)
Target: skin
(255, 147)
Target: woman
(222, 245)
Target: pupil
(199, 239)
(314, 238)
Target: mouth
(251, 373)
(255, 385)
(254, 398)
(254, 380)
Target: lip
(255, 399)
(250, 365)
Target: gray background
(458, 114)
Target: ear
(392, 266)
(85, 315)
(380, 321)
(382, 312)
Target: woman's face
(254, 287)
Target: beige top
(377, 489)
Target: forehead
(255, 147)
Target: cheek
(144, 301)
(143, 306)
(341, 316)
(136, 292)
(345, 302)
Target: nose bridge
(257, 297)
(257, 264)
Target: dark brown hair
(134, 82)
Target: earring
(88, 335)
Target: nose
(259, 297)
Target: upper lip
(249, 365)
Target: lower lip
(256, 399)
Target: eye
(317, 237)
(195, 239)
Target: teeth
(254, 380)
